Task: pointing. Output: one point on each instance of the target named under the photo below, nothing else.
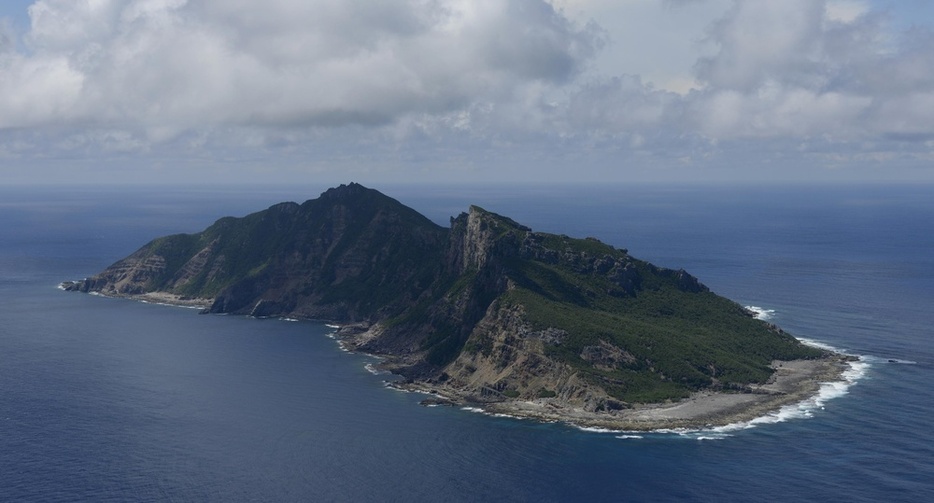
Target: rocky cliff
(486, 310)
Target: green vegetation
(546, 393)
(372, 253)
(642, 333)
(591, 246)
(678, 341)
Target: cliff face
(487, 310)
(514, 363)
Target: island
(487, 312)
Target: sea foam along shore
(796, 388)
(794, 384)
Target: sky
(483, 91)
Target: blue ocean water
(114, 400)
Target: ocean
(115, 400)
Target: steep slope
(486, 311)
(534, 315)
(353, 254)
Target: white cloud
(36, 92)
(620, 104)
(846, 11)
(784, 70)
(762, 41)
(179, 64)
(463, 83)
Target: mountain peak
(478, 213)
(345, 191)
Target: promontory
(488, 312)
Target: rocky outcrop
(505, 359)
(131, 276)
(478, 236)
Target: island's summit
(486, 311)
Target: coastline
(794, 382)
(173, 300)
(163, 298)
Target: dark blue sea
(114, 400)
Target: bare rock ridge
(485, 311)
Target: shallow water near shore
(114, 400)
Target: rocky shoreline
(150, 297)
(793, 382)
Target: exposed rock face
(607, 356)
(487, 310)
(510, 361)
(479, 235)
(130, 276)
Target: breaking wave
(761, 313)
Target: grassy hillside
(674, 340)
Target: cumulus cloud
(461, 78)
(809, 70)
(621, 104)
(805, 68)
(181, 63)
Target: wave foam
(761, 313)
(167, 304)
(877, 359)
(371, 368)
(805, 408)
(594, 429)
(821, 345)
(827, 391)
(802, 410)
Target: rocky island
(488, 312)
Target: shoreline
(794, 382)
(161, 298)
(169, 299)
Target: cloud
(35, 92)
(804, 68)
(462, 82)
(762, 41)
(621, 104)
(846, 11)
(176, 64)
